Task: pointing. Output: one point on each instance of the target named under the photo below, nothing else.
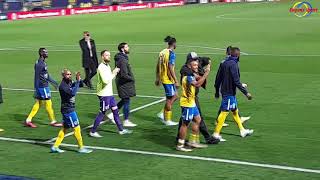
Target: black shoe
(212, 140)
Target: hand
(208, 68)
(116, 71)
(157, 82)
(244, 85)
(216, 95)
(177, 85)
(78, 78)
(249, 96)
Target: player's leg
(183, 130)
(243, 132)
(33, 112)
(126, 113)
(172, 96)
(115, 112)
(55, 148)
(104, 106)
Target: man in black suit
(1, 101)
(89, 58)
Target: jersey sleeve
(172, 57)
(190, 79)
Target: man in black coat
(1, 100)
(89, 58)
(125, 82)
(203, 61)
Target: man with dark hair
(189, 109)
(42, 90)
(125, 82)
(165, 75)
(227, 81)
(185, 71)
(243, 118)
(68, 90)
(89, 58)
(1, 101)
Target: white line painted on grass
(154, 52)
(86, 93)
(237, 162)
(131, 111)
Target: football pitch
(280, 56)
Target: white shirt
(105, 77)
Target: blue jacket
(228, 77)
(68, 91)
(41, 75)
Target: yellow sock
(50, 110)
(237, 119)
(167, 115)
(193, 137)
(198, 138)
(60, 138)
(222, 117)
(77, 134)
(34, 110)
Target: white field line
(85, 93)
(181, 53)
(131, 111)
(228, 161)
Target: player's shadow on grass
(158, 132)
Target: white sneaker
(160, 115)
(127, 123)
(171, 123)
(224, 124)
(96, 135)
(183, 148)
(125, 131)
(244, 119)
(197, 145)
(56, 150)
(110, 116)
(219, 137)
(246, 132)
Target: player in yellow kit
(165, 74)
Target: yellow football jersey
(188, 94)
(166, 57)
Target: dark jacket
(68, 91)
(41, 75)
(1, 100)
(124, 80)
(185, 71)
(88, 61)
(228, 78)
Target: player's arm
(124, 71)
(172, 59)
(75, 86)
(198, 83)
(105, 77)
(157, 82)
(236, 79)
(37, 70)
(52, 81)
(217, 82)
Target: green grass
(284, 109)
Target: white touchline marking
(237, 162)
(131, 111)
(85, 93)
(182, 53)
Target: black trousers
(203, 127)
(90, 72)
